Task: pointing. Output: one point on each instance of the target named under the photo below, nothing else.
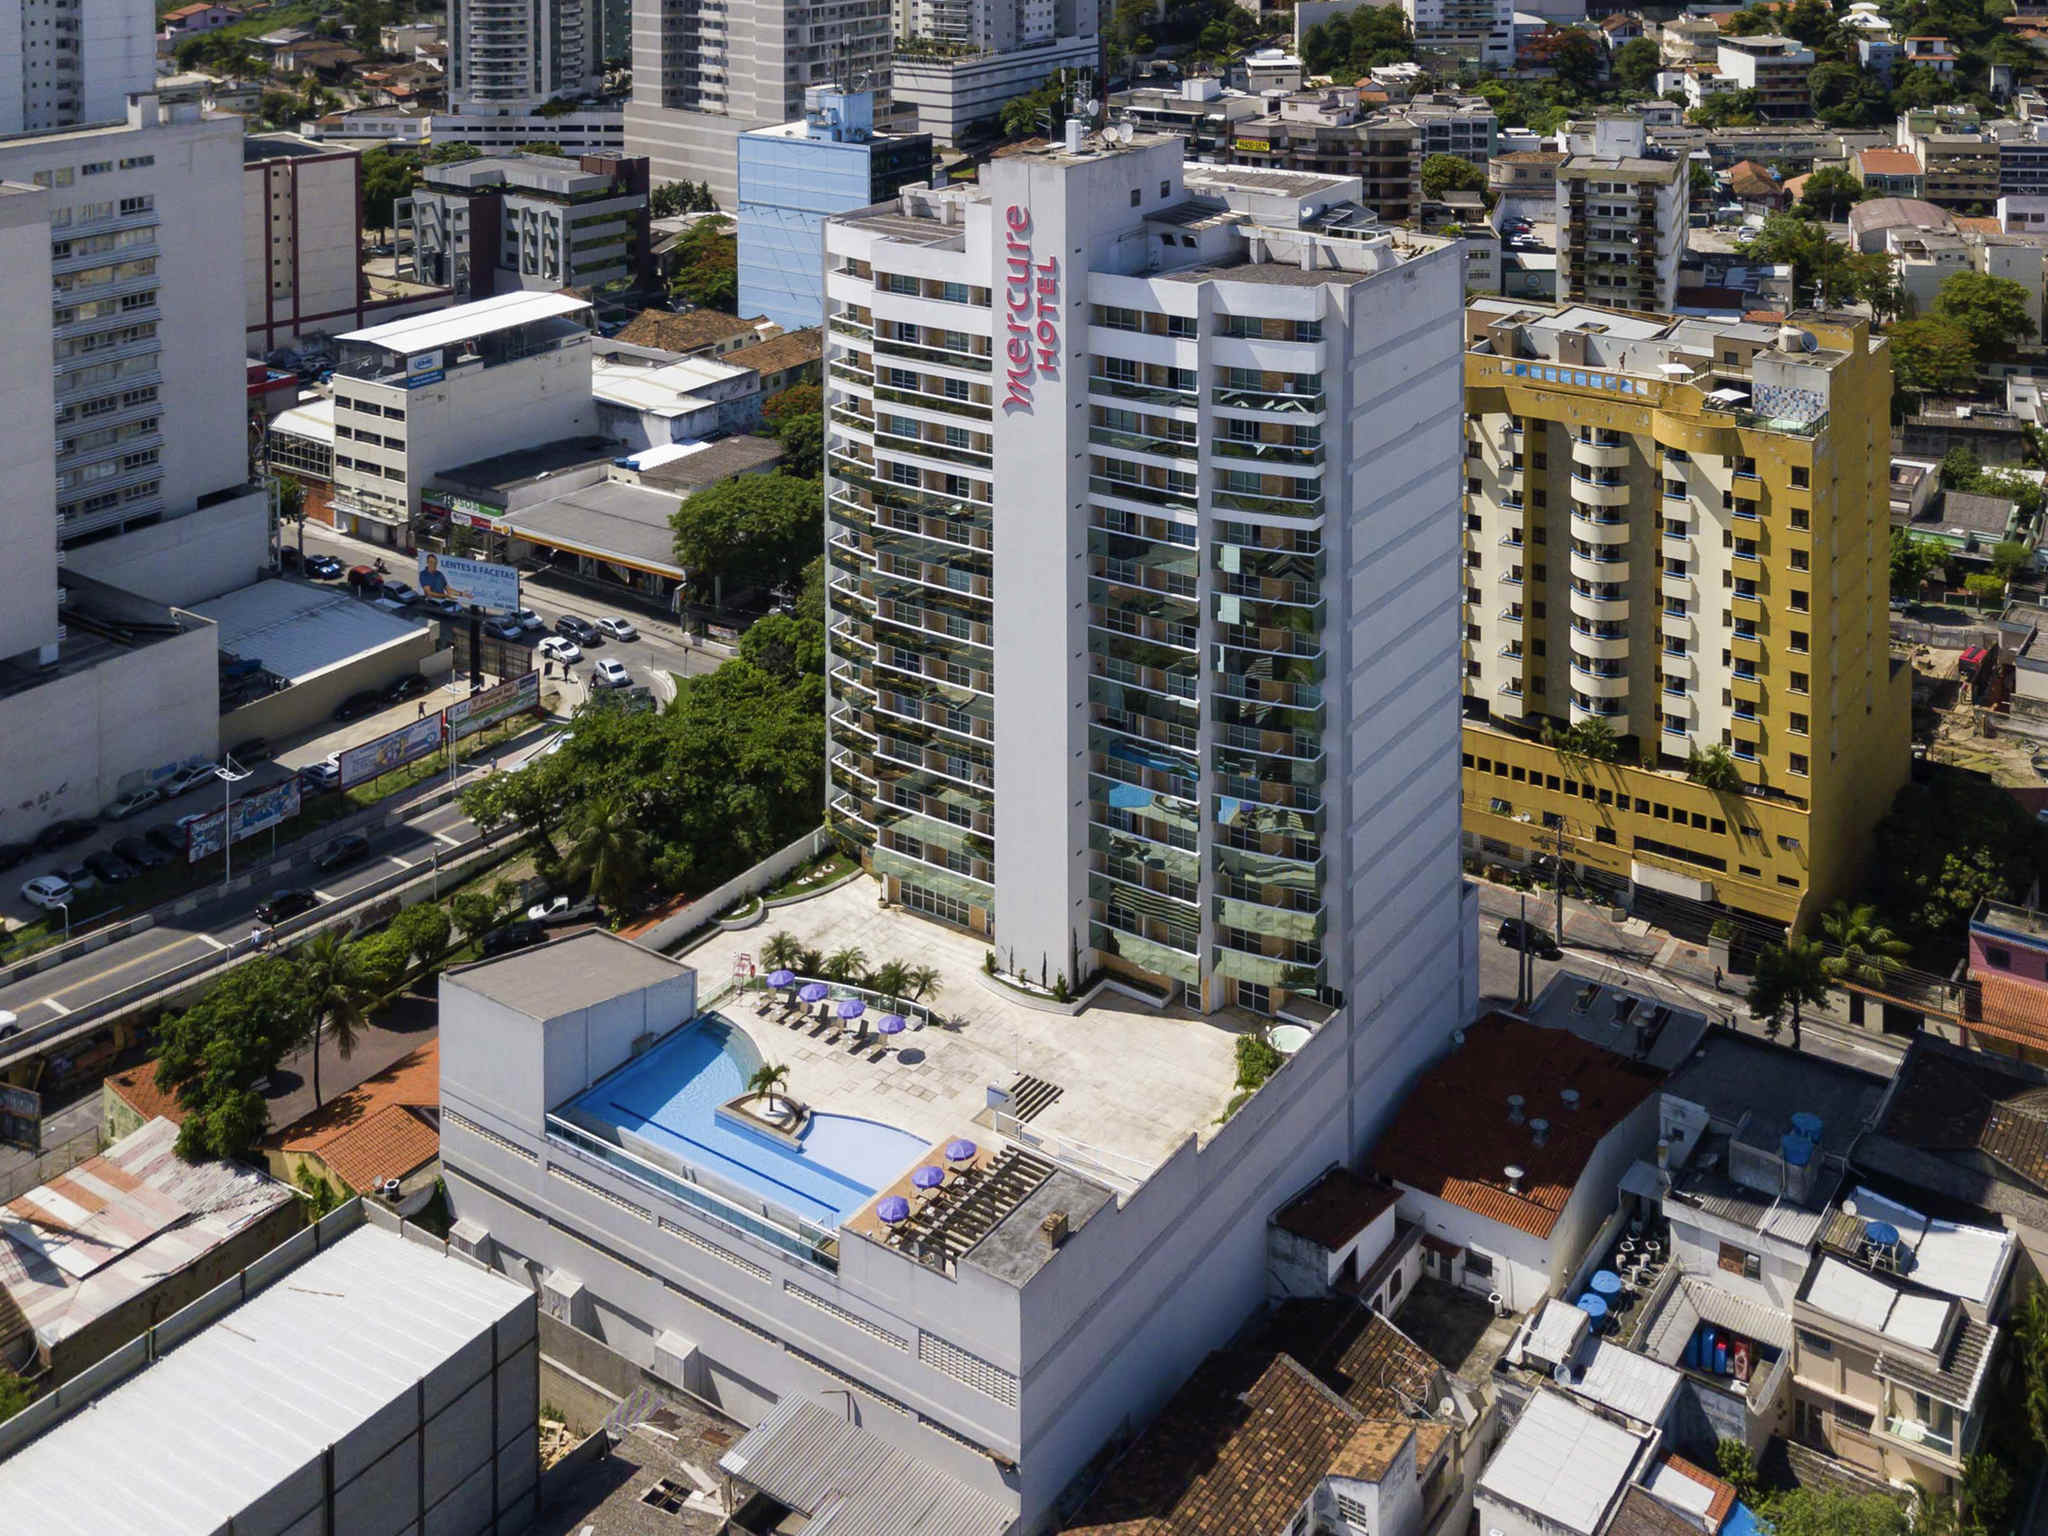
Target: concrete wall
(301, 266)
(81, 738)
(28, 540)
(185, 559)
(310, 702)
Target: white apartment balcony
(1600, 455)
(1587, 707)
(1592, 644)
(1605, 492)
(1599, 527)
(1598, 607)
(1608, 565)
(1677, 585)
(1608, 684)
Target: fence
(678, 926)
(47, 1164)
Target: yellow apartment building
(1677, 669)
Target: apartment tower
(1141, 485)
(67, 62)
(508, 57)
(1621, 221)
(1678, 675)
(705, 71)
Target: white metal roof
(314, 419)
(1625, 1381)
(192, 1441)
(297, 629)
(1563, 1463)
(1559, 1329)
(1857, 1296)
(438, 328)
(1958, 1260)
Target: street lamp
(66, 906)
(229, 776)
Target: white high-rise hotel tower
(1143, 544)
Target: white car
(189, 777)
(47, 892)
(134, 803)
(529, 620)
(610, 674)
(617, 629)
(560, 648)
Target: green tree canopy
(753, 531)
(1787, 976)
(802, 438)
(1637, 63)
(1830, 193)
(1726, 109)
(389, 173)
(215, 1053)
(1820, 267)
(1913, 563)
(797, 400)
(1945, 845)
(707, 265)
(1451, 173)
(1991, 311)
(1932, 357)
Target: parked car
(255, 750)
(530, 621)
(141, 852)
(47, 892)
(443, 607)
(287, 904)
(1527, 937)
(110, 867)
(556, 648)
(191, 776)
(364, 578)
(582, 631)
(323, 775)
(399, 592)
(615, 628)
(61, 834)
(134, 803)
(342, 851)
(506, 629)
(609, 673)
(357, 705)
(79, 878)
(561, 911)
(399, 689)
(171, 837)
(502, 941)
(324, 567)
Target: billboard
(21, 1118)
(514, 696)
(469, 581)
(392, 750)
(252, 813)
(423, 368)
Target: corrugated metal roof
(439, 328)
(851, 1482)
(251, 1399)
(1961, 1371)
(1697, 1301)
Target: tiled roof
(384, 1127)
(1641, 1514)
(1236, 1451)
(779, 352)
(1371, 1450)
(1952, 1101)
(1336, 1208)
(138, 1089)
(1723, 1492)
(1887, 162)
(1453, 1139)
(690, 332)
(2014, 1010)
(1748, 179)
(1357, 1354)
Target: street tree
(1787, 976)
(1868, 948)
(753, 531)
(1992, 311)
(1451, 173)
(335, 995)
(1932, 357)
(215, 1053)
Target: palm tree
(338, 995)
(1787, 975)
(847, 964)
(610, 853)
(891, 979)
(925, 979)
(768, 1082)
(1868, 947)
(782, 951)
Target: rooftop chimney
(1571, 1098)
(1514, 1109)
(1053, 1229)
(1514, 1175)
(1540, 1131)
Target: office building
(704, 73)
(1192, 794)
(67, 62)
(1774, 67)
(416, 396)
(504, 223)
(301, 241)
(1678, 676)
(1621, 222)
(792, 177)
(356, 1379)
(956, 95)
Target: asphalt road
(658, 652)
(221, 924)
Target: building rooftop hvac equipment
(444, 327)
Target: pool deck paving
(1134, 1084)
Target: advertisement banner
(514, 696)
(21, 1118)
(253, 813)
(469, 581)
(423, 368)
(393, 750)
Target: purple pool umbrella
(892, 1209)
(928, 1177)
(851, 1008)
(960, 1151)
(813, 992)
(890, 1024)
(781, 978)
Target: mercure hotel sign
(1031, 305)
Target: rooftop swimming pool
(668, 1099)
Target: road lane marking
(207, 938)
(52, 1004)
(401, 863)
(126, 965)
(452, 842)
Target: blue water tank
(1795, 1149)
(1692, 1348)
(1807, 1124)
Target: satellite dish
(1448, 1407)
(1090, 107)
(1563, 1375)
(1125, 133)
(1848, 1207)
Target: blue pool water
(670, 1097)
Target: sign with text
(478, 582)
(21, 1117)
(423, 368)
(251, 814)
(514, 696)
(1031, 306)
(393, 750)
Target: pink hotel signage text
(1031, 302)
